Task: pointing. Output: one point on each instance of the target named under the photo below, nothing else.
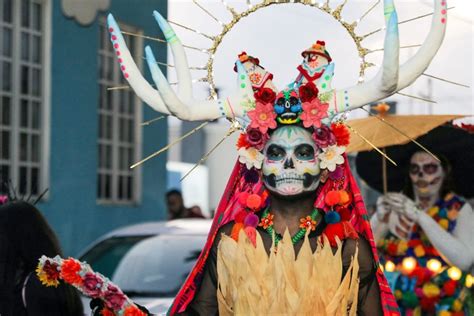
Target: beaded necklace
(308, 222)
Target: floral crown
(292, 106)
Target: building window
(24, 30)
(119, 116)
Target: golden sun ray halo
(226, 27)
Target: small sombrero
(454, 144)
(318, 48)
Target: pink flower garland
(92, 284)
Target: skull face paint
(426, 174)
(290, 166)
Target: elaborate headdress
(260, 111)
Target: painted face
(291, 165)
(315, 61)
(426, 174)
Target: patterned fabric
(228, 207)
(422, 281)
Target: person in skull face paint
(424, 236)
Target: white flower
(331, 156)
(251, 157)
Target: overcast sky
(277, 34)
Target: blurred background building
(62, 130)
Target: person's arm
(379, 220)
(369, 302)
(458, 247)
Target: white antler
(164, 99)
(391, 77)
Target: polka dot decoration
(116, 46)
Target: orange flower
(69, 271)
(267, 221)
(308, 223)
(133, 311)
(242, 141)
(106, 312)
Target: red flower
(392, 249)
(342, 134)
(133, 311)
(106, 312)
(263, 117)
(428, 304)
(323, 137)
(308, 92)
(265, 95)
(256, 139)
(413, 243)
(266, 221)
(51, 270)
(449, 287)
(468, 127)
(242, 141)
(313, 112)
(92, 285)
(69, 271)
(114, 298)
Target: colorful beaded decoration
(308, 222)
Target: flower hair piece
(296, 105)
(92, 284)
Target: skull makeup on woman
(424, 233)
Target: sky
(277, 34)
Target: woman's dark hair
(25, 236)
(448, 182)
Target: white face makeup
(426, 174)
(291, 166)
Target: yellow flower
(402, 246)
(457, 306)
(431, 290)
(444, 223)
(433, 211)
(444, 313)
(43, 277)
(448, 196)
(419, 251)
(398, 294)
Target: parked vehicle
(149, 261)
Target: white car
(149, 261)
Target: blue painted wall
(71, 207)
